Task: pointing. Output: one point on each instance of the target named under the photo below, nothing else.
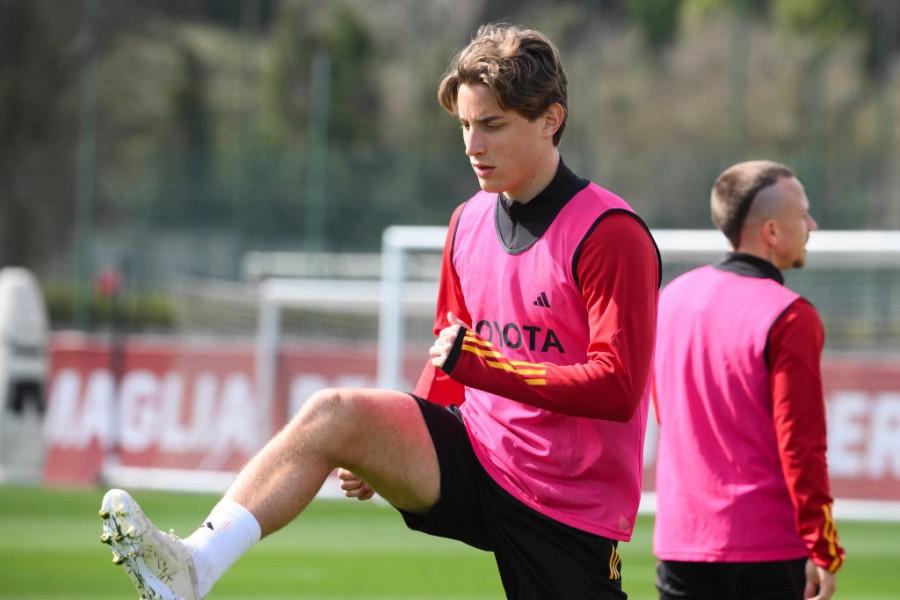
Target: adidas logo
(542, 300)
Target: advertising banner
(193, 406)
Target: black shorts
(538, 558)
(776, 580)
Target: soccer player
(744, 509)
(525, 432)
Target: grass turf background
(339, 549)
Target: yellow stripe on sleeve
(829, 531)
(532, 373)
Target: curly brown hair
(521, 67)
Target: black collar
(520, 225)
(748, 265)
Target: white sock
(228, 532)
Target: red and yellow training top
(741, 469)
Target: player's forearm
(806, 474)
(798, 410)
(599, 389)
(799, 417)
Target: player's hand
(445, 340)
(353, 486)
(820, 584)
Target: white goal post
(397, 243)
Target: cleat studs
(118, 559)
(129, 531)
(118, 536)
(106, 538)
(104, 513)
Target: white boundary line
(218, 481)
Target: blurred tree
(337, 33)
(204, 112)
(191, 111)
(227, 13)
(189, 176)
(304, 29)
(38, 69)
(882, 21)
(830, 20)
(827, 20)
(190, 143)
(656, 19)
(355, 96)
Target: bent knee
(324, 402)
(338, 408)
(337, 420)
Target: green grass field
(50, 549)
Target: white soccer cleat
(159, 564)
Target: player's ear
(769, 232)
(553, 118)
